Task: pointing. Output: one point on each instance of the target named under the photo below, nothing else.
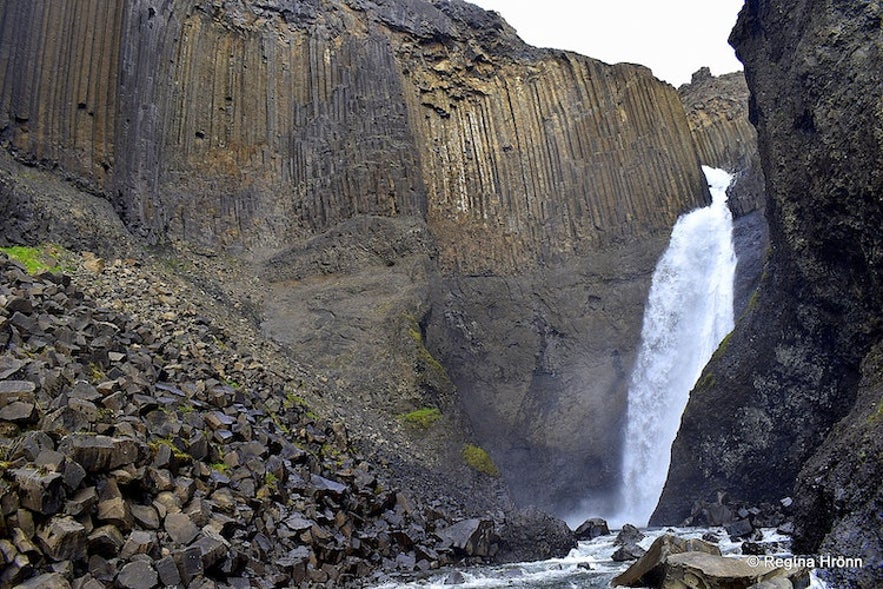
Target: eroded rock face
(792, 368)
(541, 181)
(717, 111)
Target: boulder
(650, 568)
(137, 575)
(472, 536)
(42, 492)
(629, 534)
(700, 569)
(99, 453)
(592, 528)
(531, 534)
(62, 538)
(628, 552)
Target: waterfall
(689, 311)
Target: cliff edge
(765, 414)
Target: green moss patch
(478, 459)
(421, 418)
(36, 260)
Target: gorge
(409, 240)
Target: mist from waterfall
(688, 313)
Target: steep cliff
(717, 111)
(767, 402)
(531, 191)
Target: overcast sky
(674, 38)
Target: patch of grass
(36, 260)
(706, 382)
(421, 418)
(478, 459)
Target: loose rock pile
(141, 455)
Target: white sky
(674, 38)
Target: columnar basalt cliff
(410, 180)
(804, 357)
(717, 111)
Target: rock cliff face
(717, 111)
(532, 192)
(799, 360)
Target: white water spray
(688, 313)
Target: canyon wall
(806, 355)
(717, 111)
(531, 190)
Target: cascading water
(688, 313)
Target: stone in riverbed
(650, 568)
(628, 552)
(629, 534)
(592, 528)
(699, 569)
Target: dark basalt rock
(793, 392)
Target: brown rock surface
(543, 181)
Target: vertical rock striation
(796, 363)
(717, 111)
(546, 181)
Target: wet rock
(740, 529)
(592, 528)
(455, 578)
(649, 570)
(719, 572)
(628, 552)
(531, 534)
(629, 534)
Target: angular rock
(180, 528)
(115, 511)
(99, 453)
(19, 412)
(699, 569)
(740, 528)
(42, 492)
(82, 502)
(106, 541)
(168, 571)
(62, 538)
(629, 534)
(628, 552)
(139, 542)
(530, 534)
(189, 561)
(592, 528)
(137, 575)
(649, 570)
(45, 581)
(472, 536)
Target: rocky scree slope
(529, 194)
(145, 454)
(792, 397)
